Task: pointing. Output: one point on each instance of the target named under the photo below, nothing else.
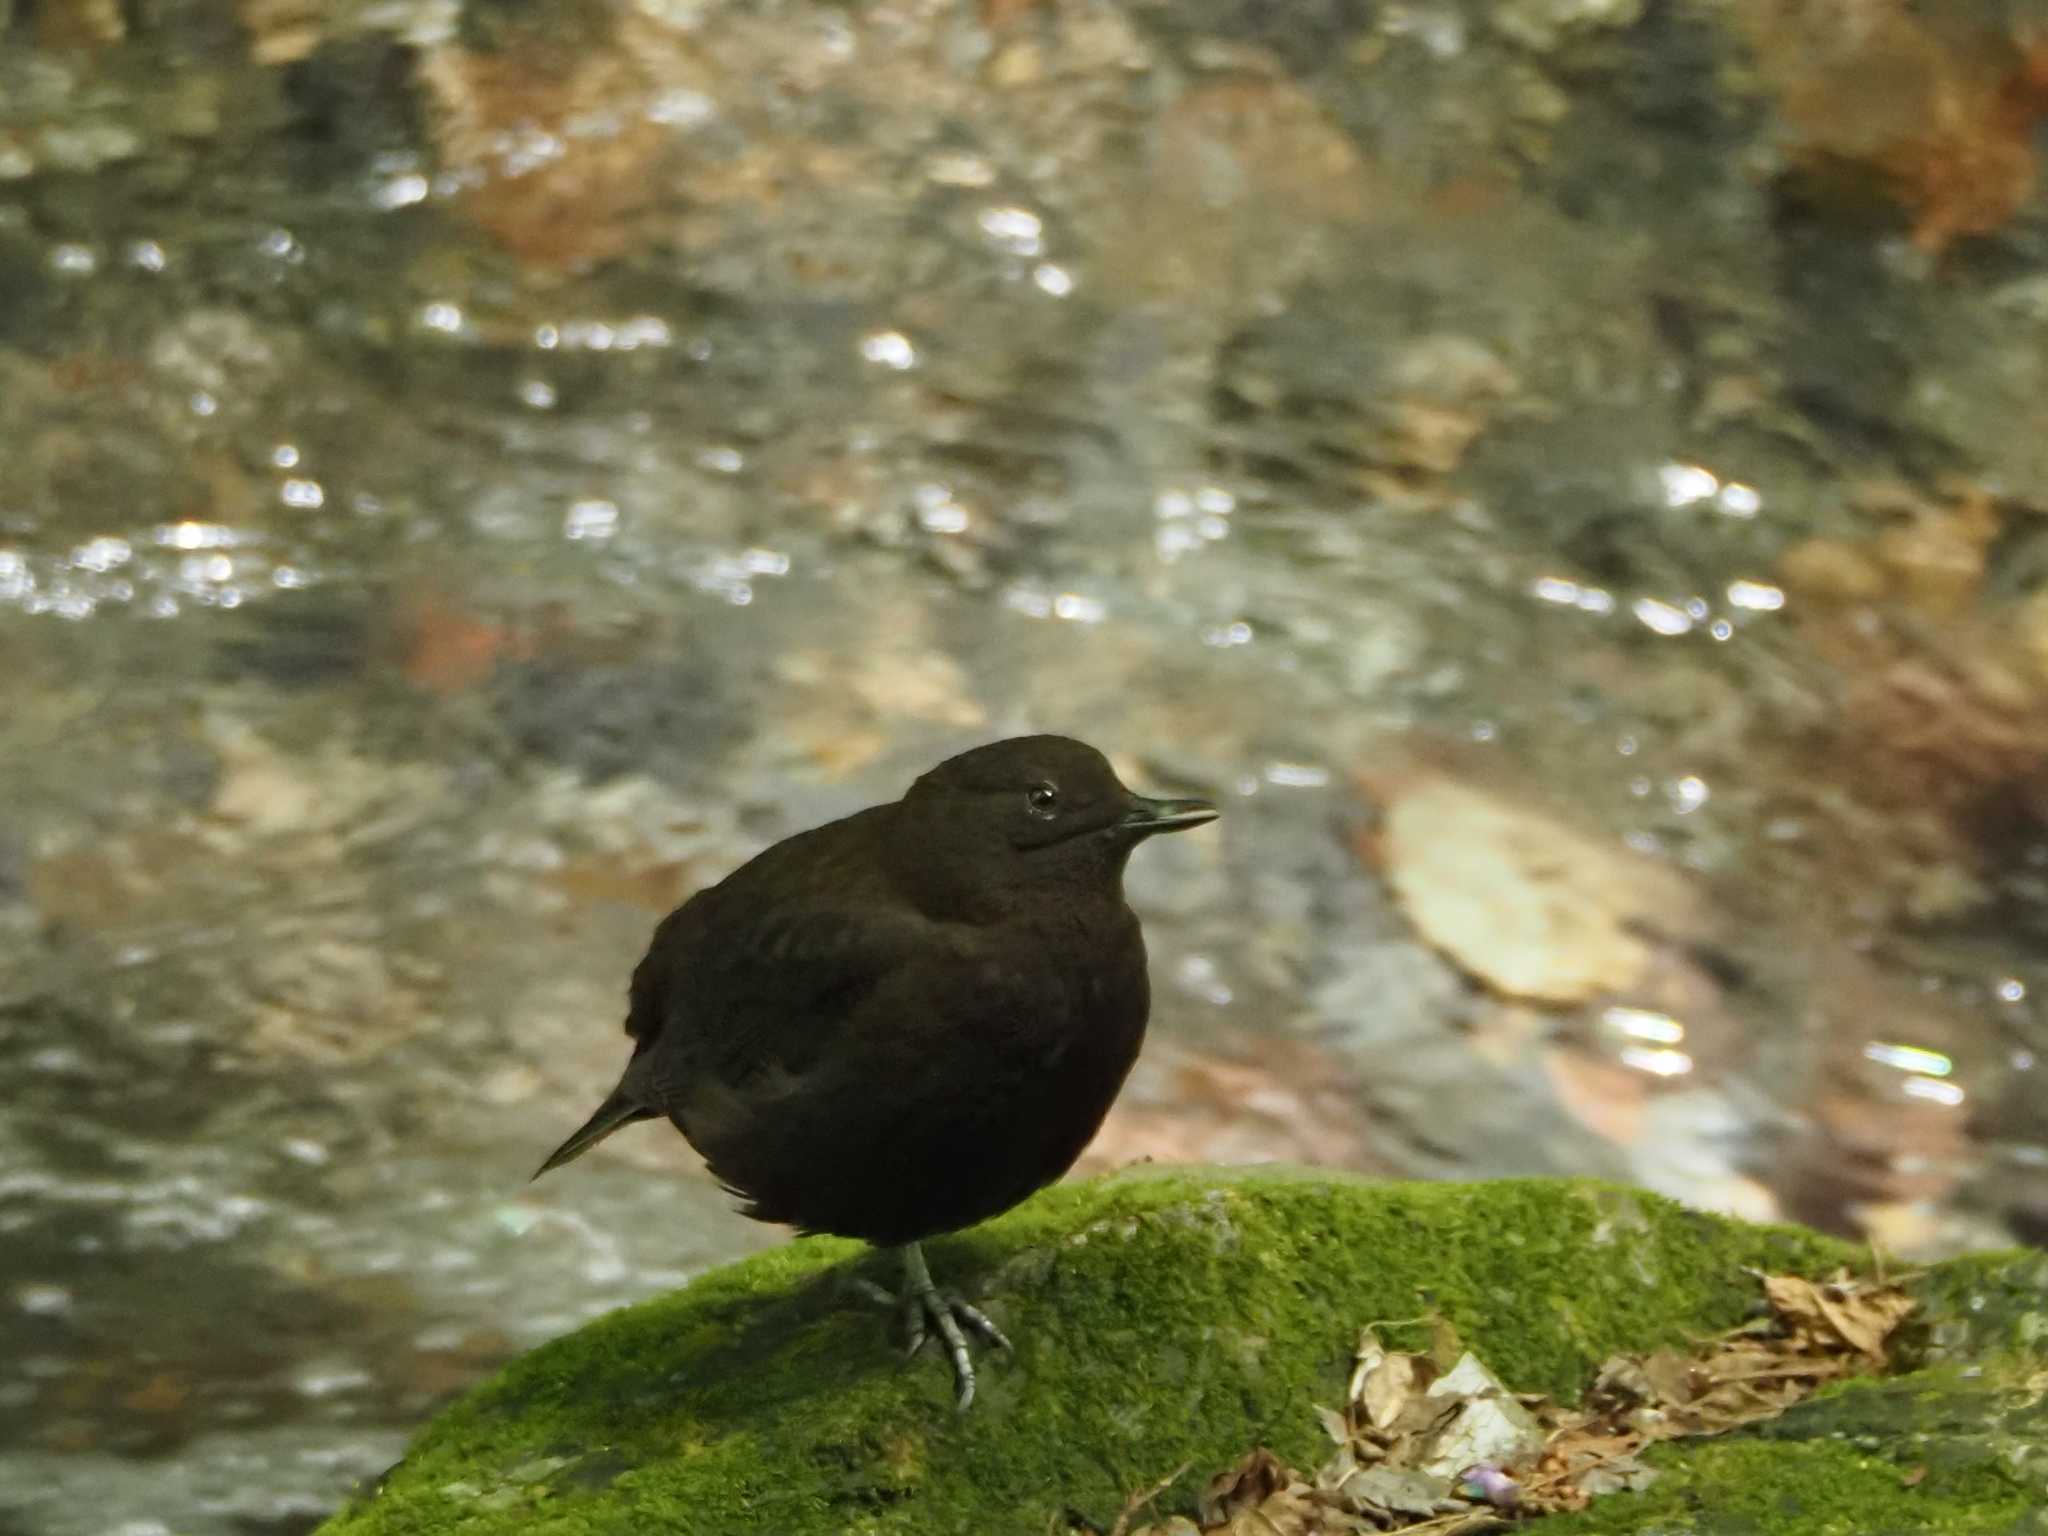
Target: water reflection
(494, 481)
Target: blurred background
(1570, 476)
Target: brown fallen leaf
(1428, 1451)
(1389, 1389)
(1245, 1486)
(1138, 1501)
(1862, 1317)
(1534, 908)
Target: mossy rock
(1164, 1317)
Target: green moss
(1159, 1317)
(1945, 1452)
(1984, 1304)
(1745, 1487)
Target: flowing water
(472, 473)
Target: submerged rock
(1164, 1318)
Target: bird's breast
(1090, 982)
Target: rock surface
(1180, 1317)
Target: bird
(906, 1021)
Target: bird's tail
(617, 1110)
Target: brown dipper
(906, 1021)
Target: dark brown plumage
(906, 1021)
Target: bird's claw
(953, 1319)
(926, 1310)
(868, 1291)
(964, 1314)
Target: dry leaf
(1622, 1474)
(1448, 1453)
(1397, 1491)
(1670, 1377)
(1486, 1429)
(1533, 908)
(1388, 1389)
(1245, 1486)
(1862, 1317)
(1366, 1358)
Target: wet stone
(1540, 25)
(1593, 1266)
(318, 643)
(356, 105)
(669, 719)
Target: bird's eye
(1043, 799)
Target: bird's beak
(1148, 816)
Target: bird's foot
(953, 1319)
(926, 1310)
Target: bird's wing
(764, 996)
(833, 1045)
(645, 1015)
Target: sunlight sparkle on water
(680, 107)
(944, 515)
(1908, 1058)
(593, 519)
(1658, 1062)
(1190, 519)
(1690, 485)
(1016, 230)
(1686, 485)
(954, 169)
(1688, 794)
(891, 349)
(1569, 594)
(1057, 281)
(1297, 775)
(1643, 1024)
(402, 191)
(102, 554)
(1199, 974)
(1739, 500)
(628, 335)
(443, 317)
(1933, 1090)
(195, 535)
(1660, 617)
(1071, 606)
(1756, 596)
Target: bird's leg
(925, 1308)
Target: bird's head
(1029, 813)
